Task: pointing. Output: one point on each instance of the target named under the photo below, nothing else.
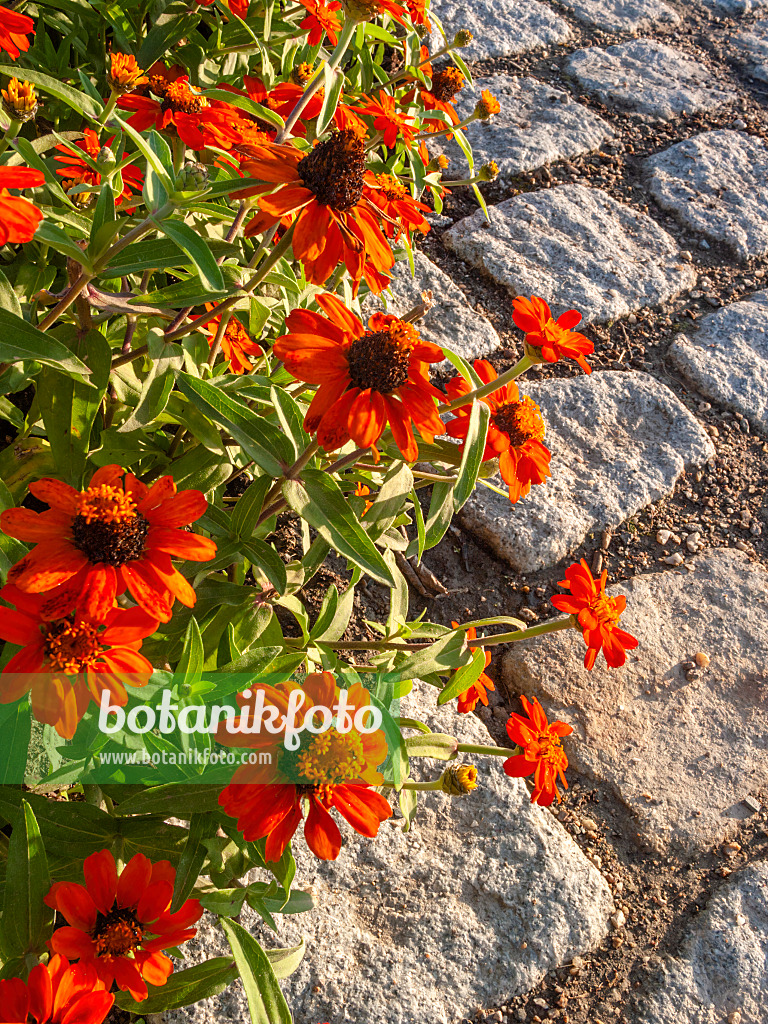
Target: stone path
(618, 440)
(726, 359)
(575, 246)
(649, 77)
(499, 29)
(717, 183)
(754, 42)
(624, 15)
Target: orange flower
(125, 75)
(335, 222)
(445, 85)
(402, 213)
(79, 172)
(53, 651)
(14, 29)
(332, 769)
(18, 217)
(478, 691)
(236, 343)
(486, 106)
(365, 378)
(321, 20)
(56, 993)
(118, 923)
(388, 120)
(515, 431)
(92, 544)
(542, 754)
(597, 614)
(547, 340)
(362, 491)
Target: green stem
(520, 367)
(420, 786)
(482, 641)
(107, 111)
(478, 748)
(445, 131)
(11, 132)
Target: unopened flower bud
(463, 37)
(437, 163)
(20, 100)
(106, 160)
(459, 779)
(487, 106)
(193, 177)
(489, 171)
(125, 75)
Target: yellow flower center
(332, 758)
(604, 609)
(381, 360)
(391, 187)
(107, 527)
(551, 750)
(179, 97)
(20, 100)
(71, 647)
(334, 170)
(301, 73)
(117, 933)
(520, 421)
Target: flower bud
(437, 163)
(463, 37)
(193, 177)
(459, 779)
(487, 106)
(489, 171)
(125, 75)
(106, 160)
(20, 100)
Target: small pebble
(739, 126)
(663, 536)
(734, 1017)
(619, 919)
(674, 559)
(701, 659)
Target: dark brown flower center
(446, 83)
(380, 361)
(117, 932)
(334, 170)
(520, 421)
(114, 543)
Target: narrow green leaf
(249, 505)
(171, 800)
(148, 152)
(433, 744)
(463, 677)
(58, 239)
(190, 242)
(192, 858)
(190, 668)
(20, 340)
(472, 457)
(16, 732)
(448, 652)
(183, 988)
(265, 557)
(27, 922)
(265, 1000)
(286, 961)
(9, 300)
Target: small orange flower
(546, 339)
(362, 491)
(20, 100)
(67, 662)
(487, 106)
(543, 755)
(236, 343)
(321, 20)
(118, 923)
(597, 614)
(90, 545)
(515, 431)
(78, 172)
(18, 217)
(445, 85)
(388, 120)
(14, 29)
(478, 691)
(56, 993)
(402, 213)
(125, 75)
(366, 378)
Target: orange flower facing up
(54, 651)
(547, 339)
(333, 769)
(486, 106)
(388, 120)
(119, 923)
(18, 217)
(335, 221)
(478, 691)
(321, 20)
(78, 172)
(515, 431)
(402, 213)
(445, 85)
(597, 614)
(56, 993)
(125, 75)
(90, 545)
(236, 343)
(366, 378)
(543, 755)
(14, 29)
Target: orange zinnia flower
(333, 770)
(92, 544)
(542, 754)
(18, 217)
(236, 343)
(14, 29)
(321, 20)
(335, 222)
(78, 171)
(515, 431)
(125, 75)
(388, 120)
(56, 993)
(402, 214)
(445, 85)
(118, 923)
(546, 339)
(486, 106)
(54, 651)
(478, 691)
(597, 615)
(365, 378)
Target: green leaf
(265, 557)
(50, 234)
(9, 300)
(286, 961)
(149, 153)
(166, 360)
(439, 517)
(247, 104)
(165, 35)
(72, 97)
(472, 457)
(334, 82)
(16, 731)
(249, 505)
(190, 668)
(20, 340)
(172, 800)
(433, 744)
(464, 677)
(157, 254)
(27, 922)
(321, 502)
(184, 988)
(447, 653)
(265, 1000)
(154, 192)
(192, 857)
(190, 242)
